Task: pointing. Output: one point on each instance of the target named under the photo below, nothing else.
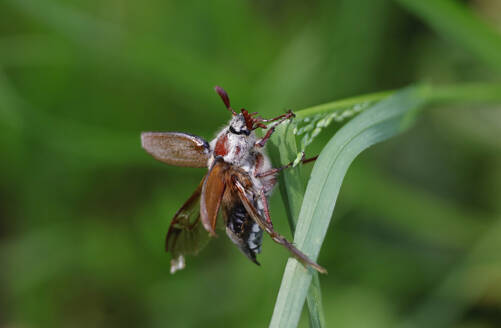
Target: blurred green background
(84, 210)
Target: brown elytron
(238, 185)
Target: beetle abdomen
(244, 232)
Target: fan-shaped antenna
(224, 96)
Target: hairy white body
(240, 149)
(237, 145)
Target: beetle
(238, 184)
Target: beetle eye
(243, 131)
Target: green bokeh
(84, 210)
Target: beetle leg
(266, 209)
(281, 119)
(278, 169)
(300, 256)
(287, 115)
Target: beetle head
(238, 125)
(244, 122)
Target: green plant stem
(464, 93)
(452, 94)
(342, 104)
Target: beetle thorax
(235, 143)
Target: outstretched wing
(300, 256)
(186, 235)
(176, 148)
(212, 194)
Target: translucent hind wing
(186, 234)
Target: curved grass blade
(382, 121)
(283, 149)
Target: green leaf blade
(284, 148)
(380, 122)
